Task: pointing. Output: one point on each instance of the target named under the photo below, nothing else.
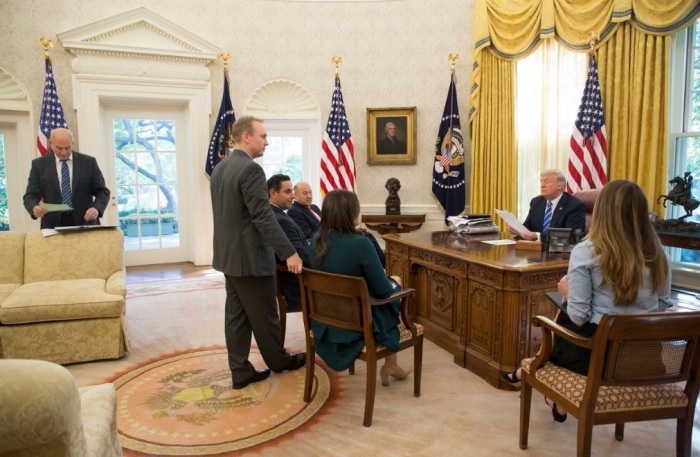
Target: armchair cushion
(60, 300)
(572, 386)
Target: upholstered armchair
(588, 197)
(43, 413)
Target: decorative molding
(13, 94)
(139, 33)
(283, 98)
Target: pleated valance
(514, 27)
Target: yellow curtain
(634, 77)
(634, 97)
(493, 139)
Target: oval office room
(515, 107)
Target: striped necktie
(66, 198)
(318, 218)
(547, 219)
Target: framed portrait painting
(391, 136)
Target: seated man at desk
(279, 191)
(553, 208)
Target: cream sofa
(62, 297)
(43, 413)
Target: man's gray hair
(558, 175)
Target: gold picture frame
(389, 144)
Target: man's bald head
(303, 194)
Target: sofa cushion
(60, 300)
(73, 255)
(6, 290)
(12, 265)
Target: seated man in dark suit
(565, 211)
(279, 190)
(303, 211)
(308, 216)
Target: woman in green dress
(340, 248)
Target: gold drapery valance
(511, 29)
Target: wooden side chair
(282, 304)
(636, 364)
(344, 302)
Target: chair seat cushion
(60, 300)
(404, 335)
(610, 398)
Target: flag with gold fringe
(221, 136)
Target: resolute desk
(474, 299)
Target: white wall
(394, 54)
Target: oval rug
(183, 404)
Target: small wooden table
(680, 240)
(393, 223)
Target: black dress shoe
(298, 361)
(257, 377)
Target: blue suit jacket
(289, 283)
(87, 186)
(569, 213)
(307, 222)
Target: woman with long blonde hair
(619, 268)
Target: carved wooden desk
(393, 223)
(474, 299)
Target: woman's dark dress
(354, 255)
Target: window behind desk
(684, 135)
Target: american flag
(448, 166)
(338, 157)
(51, 112)
(588, 158)
(221, 136)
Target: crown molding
(141, 34)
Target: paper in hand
(51, 207)
(512, 221)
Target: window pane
(4, 210)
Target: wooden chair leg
(370, 391)
(351, 370)
(310, 365)
(584, 435)
(417, 366)
(620, 431)
(525, 403)
(684, 434)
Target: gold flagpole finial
(225, 57)
(453, 58)
(336, 61)
(46, 44)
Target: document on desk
(511, 220)
(51, 207)
(498, 242)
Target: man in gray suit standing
(246, 239)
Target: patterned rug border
(334, 396)
(204, 282)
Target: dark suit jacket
(87, 186)
(386, 146)
(307, 222)
(246, 233)
(289, 283)
(569, 213)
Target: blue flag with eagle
(221, 136)
(448, 167)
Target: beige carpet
(457, 414)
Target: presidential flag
(588, 158)
(221, 136)
(51, 112)
(448, 167)
(338, 156)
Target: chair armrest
(548, 337)
(395, 296)
(403, 312)
(116, 283)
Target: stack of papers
(472, 224)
